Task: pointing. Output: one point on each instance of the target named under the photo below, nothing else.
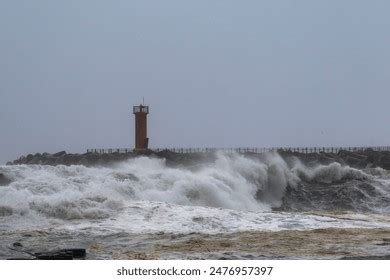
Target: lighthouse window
(141, 109)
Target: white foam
(154, 217)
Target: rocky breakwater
(64, 158)
(358, 159)
(367, 158)
(95, 159)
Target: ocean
(235, 207)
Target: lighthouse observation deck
(141, 109)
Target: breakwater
(354, 157)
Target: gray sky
(216, 73)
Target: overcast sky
(216, 73)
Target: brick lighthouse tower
(141, 127)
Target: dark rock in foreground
(358, 159)
(63, 254)
(367, 258)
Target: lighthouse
(141, 127)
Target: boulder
(71, 159)
(29, 157)
(59, 154)
(385, 163)
(50, 160)
(4, 181)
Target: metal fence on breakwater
(304, 150)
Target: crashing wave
(232, 181)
